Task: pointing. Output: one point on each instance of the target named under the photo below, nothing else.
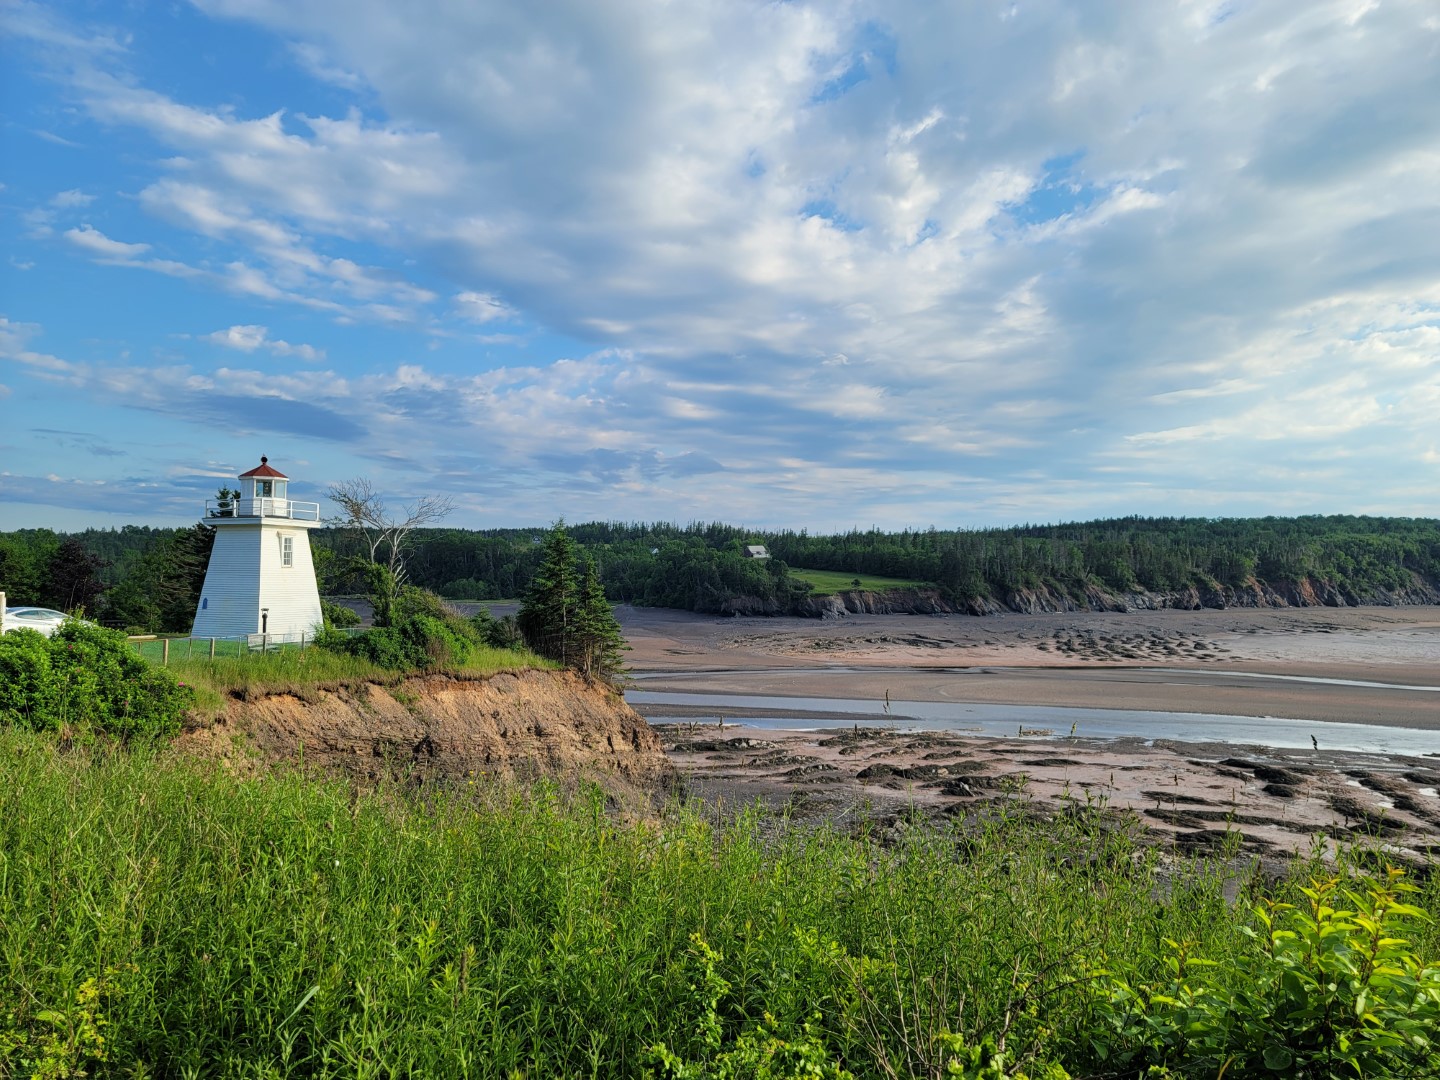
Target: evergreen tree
(550, 609)
(161, 589)
(598, 638)
(73, 578)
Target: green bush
(498, 633)
(419, 634)
(1320, 991)
(338, 615)
(86, 679)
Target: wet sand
(1169, 661)
(1196, 795)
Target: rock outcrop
(516, 726)
(1309, 592)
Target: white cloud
(70, 199)
(481, 307)
(1048, 242)
(249, 338)
(97, 243)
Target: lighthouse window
(287, 551)
(264, 488)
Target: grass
(829, 582)
(293, 670)
(184, 647)
(281, 925)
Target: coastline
(1194, 794)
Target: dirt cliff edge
(513, 726)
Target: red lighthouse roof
(264, 469)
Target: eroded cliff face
(520, 726)
(1253, 594)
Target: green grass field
(204, 923)
(829, 582)
(289, 668)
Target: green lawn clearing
(828, 582)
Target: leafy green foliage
(763, 1052)
(86, 679)
(1314, 991)
(698, 567)
(72, 578)
(162, 589)
(275, 924)
(502, 633)
(419, 634)
(338, 615)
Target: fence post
(212, 648)
(165, 652)
(189, 647)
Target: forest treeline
(150, 578)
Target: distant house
(755, 551)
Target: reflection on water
(1007, 720)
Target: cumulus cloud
(1029, 253)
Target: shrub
(338, 615)
(1321, 991)
(86, 678)
(498, 633)
(419, 633)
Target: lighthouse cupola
(264, 482)
(261, 578)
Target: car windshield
(39, 613)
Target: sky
(820, 265)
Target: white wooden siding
(288, 591)
(245, 575)
(230, 600)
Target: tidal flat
(1293, 717)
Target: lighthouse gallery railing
(270, 508)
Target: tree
(73, 580)
(363, 513)
(549, 611)
(599, 643)
(162, 589)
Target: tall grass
(283, 925)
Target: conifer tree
(599, 640)
(550, 608)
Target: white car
(44, 619)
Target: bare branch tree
(363, 512)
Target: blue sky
(799, 264)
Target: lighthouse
(261, 579)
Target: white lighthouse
(261, 579)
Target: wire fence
(161, 649)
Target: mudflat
(1371, 666)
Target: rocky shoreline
(1191, 796)
(1305, 593)
(1377, 666)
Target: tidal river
(1035, 720)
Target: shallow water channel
(1035, 721)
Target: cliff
(515, 726)
(1308, 592)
